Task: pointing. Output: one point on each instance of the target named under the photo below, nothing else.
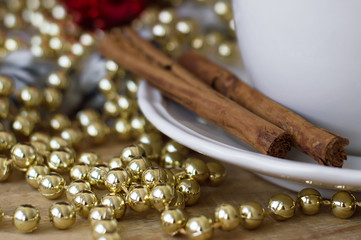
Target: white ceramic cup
(306, 55)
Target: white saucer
(295, 172)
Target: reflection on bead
(62, 215)
(137, 166)
(100, 212)
(281, 206)
(34, 174)
(217, 173)
(131, 86)
(196, 168)
(107, 86)
(84, 201)
(75, 187)
(199, 228)
(61, 160)
(130, 152)
(97, 174)
(228, 216)
(309, 201)
(190, 189)
(5, 169)
(23, 156)
(89, 158)
(223, 9)
(116, 202)
(153, 176)
(167, 16)
(51, 185)
(343, 204)
(116, 162)
(172, 221)
(26, 218)
(252, 214)
(59, 122)
(161, 196)
(79, 172)
(117, 179)
(123, 129)
(138, 198)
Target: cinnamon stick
(195, 95)
(325, 147)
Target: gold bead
(84, 201)
(123, 129)
(31, 96)
(116, 202)
(199, 43)
(111, 67)
(73, 136)
(137, 166)
(309, 201)
(199, 228)
(12, 44)
(12, 21)
(228, 216)
(107, 87)
(61, 160)
(106, 229)
(75, 187)
(227, 51)
(87, 39)
(171, 160)
(59, 122)
(167, 16)
(5, 169)
(41, 149)
(116, 162)
(213, 38)
(6, 86)
(281, 206)
(190, 189)
(35, 173)
(173, 146)
(77, 49)
(161, 196)
(89, 158)
(140, 125)
(97, 131)
(111, 109)
(117, 180)
(178, 201)
(23, 125)
(131, 86)
(138, 198)
(58, 80)
(23, 156)
(170, 177)
(66, 61)
(51, 185)
(172, 221)
(15, 5)
(4, 107)
(186, 28)
(196, 168)
(153, 176)
(7, 140)
(32, 113)
(26, 218)
(100, 212)
(217, 174)
(79, 172)
(153, 139)
(173, 47)
(57, 143)
(252, 215)
(40, 137)
(223, 9)
(97, 174)
(126, 105)
(130, 152)
(62, 215)
(343, 204)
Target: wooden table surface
(239, 187)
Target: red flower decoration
(104, 14)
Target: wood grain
(239, 187)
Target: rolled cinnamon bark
(200, 98)
(325, 147)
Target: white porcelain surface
(205, 137)
(306, 55)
